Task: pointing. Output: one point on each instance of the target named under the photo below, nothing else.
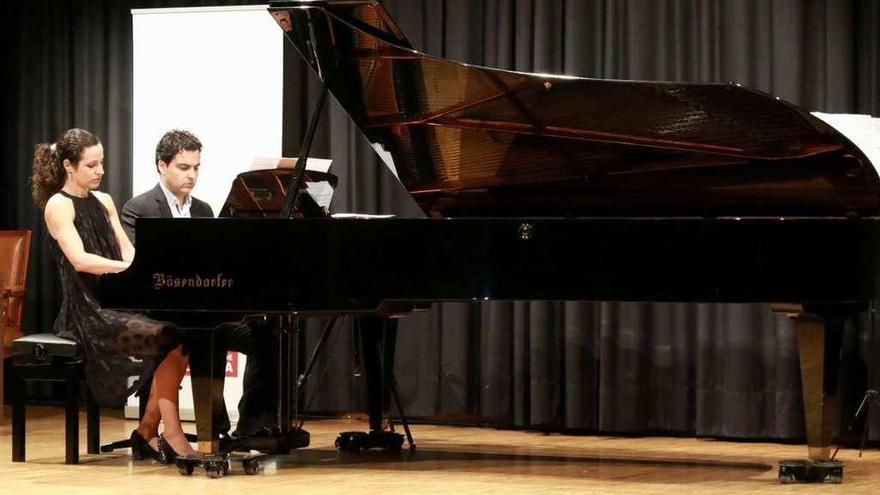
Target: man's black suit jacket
(153, 204)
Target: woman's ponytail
(48, 173)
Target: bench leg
(71, 420)
(18, 416)
(93, 426)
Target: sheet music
(862, 130)
(321, 192)
(265, 163)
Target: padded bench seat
(48, 357)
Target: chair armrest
(16, 291)
(7, 295)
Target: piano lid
(467, 140)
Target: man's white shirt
(177, 210)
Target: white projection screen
(216, 72)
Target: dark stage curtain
(709, 370)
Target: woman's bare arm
(125, 246)
(59, 216)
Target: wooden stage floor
(448, 460)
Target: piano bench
(47, 357)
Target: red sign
(231, 365)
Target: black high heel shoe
(167, 455)
(140, 448)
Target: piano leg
(819, 346)
(377, 341)
(206, 367)
(377, 347)
(206, 372)
(819, 350)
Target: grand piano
(542, 187)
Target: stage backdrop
(220, 77)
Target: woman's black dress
(120, 349)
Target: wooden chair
(14, 250)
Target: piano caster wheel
(791, 471)
(395, 444)
(354, 442)
(216, 466)
(252, 466)
(347, 442)
(798, 471)
(830, 472)
(216, 470)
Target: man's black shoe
(271, 441)
(227, 442)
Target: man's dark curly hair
(174, 142)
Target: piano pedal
(272, 442)
(807, 471)
(355, 442)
